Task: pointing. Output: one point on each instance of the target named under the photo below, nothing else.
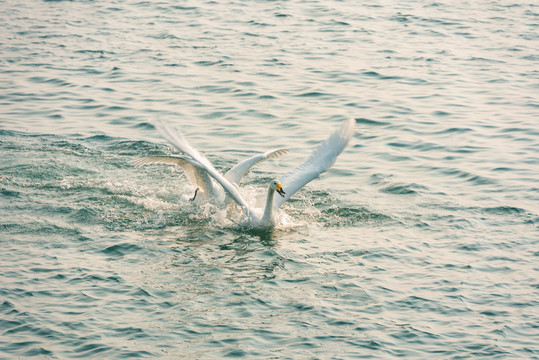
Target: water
(421, 241)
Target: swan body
(202, 173)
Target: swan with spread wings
(223, 188)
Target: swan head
(277, 187)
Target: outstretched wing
(321, 159)
(177, 139)
(196, 175)
(236, 173)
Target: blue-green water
(421, 242)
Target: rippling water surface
(421, 241)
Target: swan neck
(268, 210)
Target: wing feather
(196, 175)
(238, 171)
(320, 160)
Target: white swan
(321, 159)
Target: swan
(320, 160)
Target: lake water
(421, 242)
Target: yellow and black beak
(280, 189)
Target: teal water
(421, 242)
